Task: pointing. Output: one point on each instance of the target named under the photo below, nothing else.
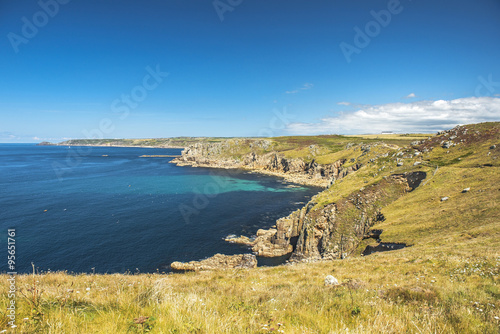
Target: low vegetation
(447, 281)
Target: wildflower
(88, 289)
(497, 318)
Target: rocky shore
(218, 261)
(218, 155)
(314, 232)
(333, 231)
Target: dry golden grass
(446, 282)
(408, 291)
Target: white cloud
(410, 96)
(343, 103)
(305, 86)
(420, 116)
(5, 135)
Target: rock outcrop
(335, 230)
(331, 281)
(314, 232)
(221, 155)
(218, 261)
(241, 240)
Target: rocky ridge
(296, 170)
(218, 261)
(311, 233)
(335, 230)
(331, 226)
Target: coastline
(292, 178)
(107, 145)
(296, 178)
(275, 243)
(264, 248)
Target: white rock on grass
(444, 198)
(330, 280)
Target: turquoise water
(109, 210)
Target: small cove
(111, 210)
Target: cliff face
(335, 230)
(257, 155)
(330, 230)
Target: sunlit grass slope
(447, 281)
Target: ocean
(109, 210)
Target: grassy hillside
(320, 148)
(323, 149)
(447, 281)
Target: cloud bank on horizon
(412, 117)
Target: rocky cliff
(332, 231)
(317, 231)
(257, 155)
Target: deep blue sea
(108, 210)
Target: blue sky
(244, 68)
